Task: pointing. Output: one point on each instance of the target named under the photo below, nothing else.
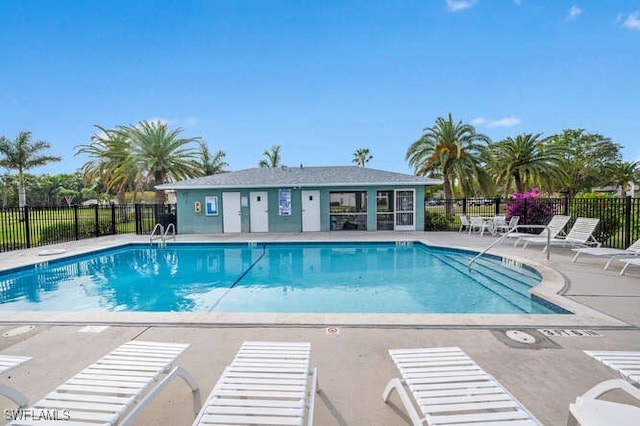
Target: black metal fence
(38, 226)
(619, 224)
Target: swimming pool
(402, 277)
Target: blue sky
(319, 78)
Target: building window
(384, 210)
(348, 210)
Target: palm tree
(212, 165)
(622, 173)
(111, 162)
(161, 153)
(362, 156)
(22, 155)
(272, 159)
(525, 160)
(450, 150)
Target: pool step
(509, 289)
(522, 276)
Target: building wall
(190, 222)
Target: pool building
(300, 199)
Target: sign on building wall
(284, 202)
(211, 205)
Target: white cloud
(574, 12)
(458, 5)
(501, 122)
(631, 22)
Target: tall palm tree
(273, 158)
(451, 151)
(111, 162)
(622, 173)
(162, 153)
(525, 161)
(212, 165)
(362, 156)
(22, 155)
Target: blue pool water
(320, 277)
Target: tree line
(131, 159)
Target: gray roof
(263, 177)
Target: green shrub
(434, 221)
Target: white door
(259, 211)
(310, 211)
(231, 219)
(405, 210)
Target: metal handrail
(173, 235)
(153, 233)
(515, 228)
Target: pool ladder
(160, 234)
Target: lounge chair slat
(55, 423)
(65, 396)
(97, 389)
(459, 398)
(250, 420)
(259, 393)
(256, 411)
(479, 417)
(473, 406)
(627, 363)
(77, 405)
(282, 403)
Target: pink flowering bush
(530, 207)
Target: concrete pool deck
(353, 365)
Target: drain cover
(520, 336)
(18, 331)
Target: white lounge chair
(627, 363)
(450, 388)
(555, 228)
(112, 387)
(627, 262)
(611, 253)
(581, 234)
(266, 384)
(7, 362)
(589, 410)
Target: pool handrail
(548, 250)
(166, 233)
(158, 227)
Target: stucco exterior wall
(191, 222)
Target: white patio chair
(626, 363)
(555, 228)
(112, 387)
(581, 234)
(266, 384)
(589, 410)
(611, 253)
(508, 226)
(450, 388)
(464, 222)
(8, 362)
(480, 225)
